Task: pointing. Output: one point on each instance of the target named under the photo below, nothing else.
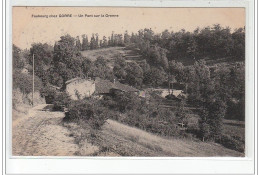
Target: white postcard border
(134, 165)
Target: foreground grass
(116, 139)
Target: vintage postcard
(128, 81)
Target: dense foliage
(89, 111)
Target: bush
(89, 111)
(57, 98)
(61, 100)
(160, 122)
(123, 101)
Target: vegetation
(216, 91)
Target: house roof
(125, 88)
(104, 87)
(77, 78)
(71, 80)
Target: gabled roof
(125, 88)
(104, 87)
(76, 79)
(71, 80)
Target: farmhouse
(106, 87)
(80, 88)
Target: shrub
(61, 100)
(159, 122)
(125, 101)
(57, 98)
(90, 111)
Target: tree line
(208, 42)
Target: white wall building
(78, 87)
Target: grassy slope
(108, 53)
(111, 52)
(116, 139)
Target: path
(40, 133)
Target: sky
(27, 29)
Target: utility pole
(33, 81)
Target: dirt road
(40, 133)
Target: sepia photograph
(128, 81)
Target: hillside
(117, 139)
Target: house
(106, 87)
(176, 95)
(78, 88)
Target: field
(111, 53)
(107, 53)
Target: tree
(157, 57)
(92, 42)
(67, 59)
(181, 114)
(145, 66)
(18, 63)
(134, 74)
(78, 43)
(65, 50)
(126, 101)
(105, 43)
(238, 50)
(96, 42)
(112, 39)
(43, 56)
(148, 34)
(155, 77)
(100, 43)
(54, 77)
(86, 66)
(177, 70)
(204, 125)
(24, 82)
(101, 69)
(211, 120)
(119, 69)
(126, 38)
(200, 86)
(85, 44)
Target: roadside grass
(20, 111)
